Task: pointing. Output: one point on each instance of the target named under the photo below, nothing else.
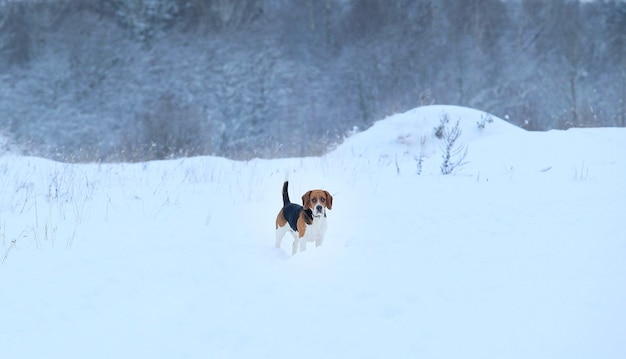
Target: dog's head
(318, 201)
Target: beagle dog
(306, 223)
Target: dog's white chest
(315, 231)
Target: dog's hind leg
(294, 246)
(280, 233)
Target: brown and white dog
(306, 223)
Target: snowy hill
(517, 254)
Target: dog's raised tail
(286, 200)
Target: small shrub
(581, 174)
(454, 152)
(485, 118)
(426, 98)
(420, 158)
(441, 128)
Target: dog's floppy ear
(329, 200)
(306, 199)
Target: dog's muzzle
(319, 210)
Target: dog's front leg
(294, 249)
(297, 240)
(303, 243)
(319, 240)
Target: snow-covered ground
(521, 253)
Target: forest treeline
(132, 80)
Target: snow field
(518, 254)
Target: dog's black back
(291, 211)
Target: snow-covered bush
(484, 120)
(454, 152)
(144, 18)
(419, 159)
(441, 128)
(171, 129)
(7, 145)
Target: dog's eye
(314, 200)
(323, 199)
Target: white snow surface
(521, 253)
